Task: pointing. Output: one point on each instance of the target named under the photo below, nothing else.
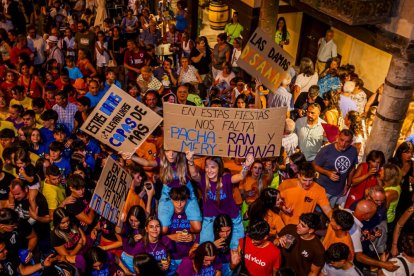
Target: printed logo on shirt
(254, 259)
(305, 253)
(212, 195)
(342, 164)
(84, 41)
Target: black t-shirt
(203, 66)
(86, 41)
(79, 206)
(17, 239)
(22, 208)
(9, 266)
(5, 186)
(302, 100)
(303, 253)
(117, 46)
(74, 237)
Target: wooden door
(311, 31)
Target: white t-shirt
(332, 271)
(306, 82)
(401, 270)
(356, 234)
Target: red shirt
(6, 88)
(14, 54)
(136, 60)
(261, 261)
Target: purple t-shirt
(109, 268)
(176, 182)
(227, 204)
(186, 268)
(179, 222)
(159, 250)
(133, 248)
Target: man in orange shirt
(303, 196)
(338, 230)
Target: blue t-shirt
(64, 166)
(331, 159)
(74, 73)
(92, 148)
(41, 151)
(47, 136)
(95, 99)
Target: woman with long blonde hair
(217, 190)
(173, 173)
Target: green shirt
(393, 205)
(233, 31)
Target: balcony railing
(354, 12)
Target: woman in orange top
(84, 65)
(27, 78)
(254, 183)
(267, 206)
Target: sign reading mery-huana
(227, 132)
(120, 121)
(264, 59)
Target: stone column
(268, 16)
(392, 109)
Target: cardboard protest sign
(264, 59)
(120, 121)
(111, 191)
(231, 132)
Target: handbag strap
(243, 250)
(407, 271)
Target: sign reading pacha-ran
(264, 59)
(120, 121)
(227, 132)
(111, 191)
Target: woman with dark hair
(233, 29)
(96, 262)
(221, 54)
(306, 78)
(201, 56)
(203, 262)
(67, 238)
(406, 256)
(181, 17)
(235, 55)
(292, 168)
(155, 244)
(332, 113)
(132, 233)
(223, 230)
(329, 79)
(224, 77)
(366, 176)
(403, 159)
(267, 206)
(282, 35)
(130, 25)
(241, 101)
(5, 46)
(145, 264)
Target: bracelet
(245, 168)
(191, 163)
(42, 263)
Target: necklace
(153, 248)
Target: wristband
(42, 263)
(191, 163)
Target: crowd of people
(324, 206)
